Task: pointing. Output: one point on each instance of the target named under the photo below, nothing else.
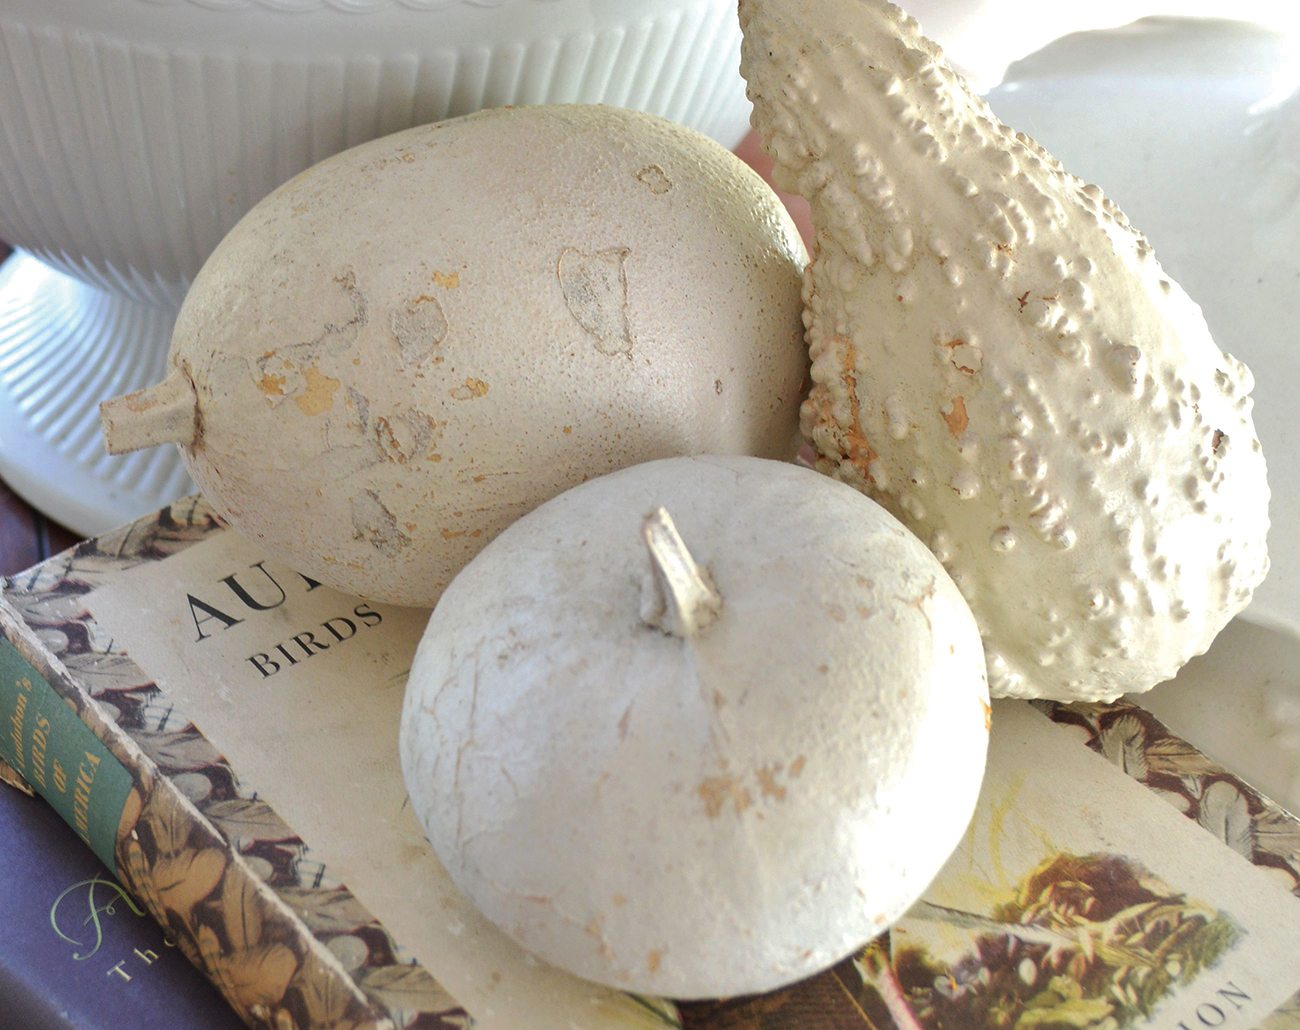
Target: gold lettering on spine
(16, 725)
(40, 741)
(81, 795)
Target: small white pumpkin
(707, 779)
(401, 351)
(999, 360)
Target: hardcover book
(79, 953)
(222, 732)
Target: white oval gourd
(402, 350)
(704, 760)
(999, 359)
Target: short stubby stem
(166, 412)
(679, 598)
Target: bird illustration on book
(1091, 940)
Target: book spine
(45, 742)
(77, 953)
(168, 856)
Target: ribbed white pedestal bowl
(135, 133)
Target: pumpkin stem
(679, 598)
(167, 412)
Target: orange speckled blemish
(860, 452)
(961, 364)
(384, 430)
(272, 386)
(568, 430)
(448, 534)
(767, 784)
(796, 767)
(716, 791)
(473, 388)
(143, 400)
(956, 416)
(318, 398)
(447, 282)
(654, 958)
(988, 715)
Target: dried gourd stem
(166, 412)
(680, 598)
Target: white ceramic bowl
(135, 133)
(982, 37)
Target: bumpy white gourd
(404, 349)
(703, 760)
(1000, 360)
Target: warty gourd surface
(999, 359)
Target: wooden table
(27, 536)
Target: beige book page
(300, 687)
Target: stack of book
(78, 952)
(221, 732)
